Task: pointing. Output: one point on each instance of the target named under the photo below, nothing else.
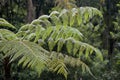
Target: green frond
(55, 20)
(73, 15)
(69, 45)
(76, 48)
(54, 13)
(57, 65)
(59, 60)
(82, 49)
(54, 33)
(90, 50)
(51, 44)
(47, 33)
(75, 33)
(25, 27)
(31, 36)
(60, 44)
(38, 32)
(89, 13)
(43, 17)
(5, 24)
(29, 54)
(7, 35)
(65, 17)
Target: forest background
(98, 25)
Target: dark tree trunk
(7, 69)
(108, 41)
(109, 16)
(30, 11)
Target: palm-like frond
(56, 32)
(5, 24)
(58, 61)
(7, 35)
(29, 54)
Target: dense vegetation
(59, 40)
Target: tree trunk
(7, 69)
(30, 11)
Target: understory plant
(51, 42)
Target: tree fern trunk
(7, 69)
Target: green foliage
(38, 45)
(56, 32)
(5, 24)
(7, 35)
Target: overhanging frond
(58, 61)
(29, 54)
(7, 35)
(5, 24)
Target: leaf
(76, 48)
(38, 32)
(79, 18)
(26, 52)
(47, 33)
(51, 44)
(55, 20)
(36, 22)
(54, 13)
(69, 45)
(60, 44)
(31, 37)
(64, 17)
(86, 16)
(72, 20)
(54, 33)
(5, 24)
(57, 65)
(43, 17)
(7, 35)
(24, 28)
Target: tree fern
(53, 33)
(61, 33)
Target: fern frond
(69, 46)
(60, 44)
(29, 54)
(7, 35)
(58, 61)
(5, 24)
(58, 65)
(84, 49)
(51, 44)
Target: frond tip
(5, 24)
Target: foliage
(53, 34)
(5, 24)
